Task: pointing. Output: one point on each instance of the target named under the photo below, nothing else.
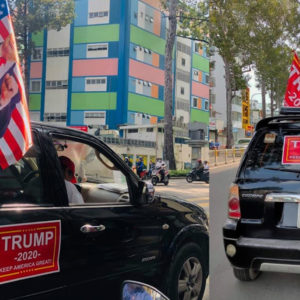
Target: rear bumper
(263, 254)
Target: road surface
(196, 192)
(223, 285)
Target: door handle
(90, 228)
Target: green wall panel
(38, 39)
(97, 33)
(146, 105)
(34, 101)
(199, 116)
(150, 41)
(200, 63)
(88, 101)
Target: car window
(21, 182)
(264, 159)
(93, 174)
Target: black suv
(262, 232)
(53, 249)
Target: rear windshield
(264, 158)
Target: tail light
(234, 211)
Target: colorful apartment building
(107, 69)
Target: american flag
(15, 132)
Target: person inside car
(68, 168)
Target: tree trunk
(229, 133)
(263, 97)
(272, 101)
(168, 93)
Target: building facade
(106, 69)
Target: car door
(32, 227)
(109, 238)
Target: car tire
(244, 274)
(189, 178)
(187, 273)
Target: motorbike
(157, 177)
(194, 176)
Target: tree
(191, 18)
(270, 26)
(32, 16)
(228, 34)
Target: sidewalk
(228, 165)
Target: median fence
(225, 156)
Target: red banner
(292, 94)
(29, 250)
(291, 150)
(82, 128)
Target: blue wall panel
(77, 118)
(161, 93)
(79, 51)
(81, 12)
(132, 53)
(115, 11)
(133, 9)
(130, 117)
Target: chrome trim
(277, 197)
(285, 268)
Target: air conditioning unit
(135, 48)
(146, 50)
(149, 84)
(140, 81)
(144, 83)
(151, 20)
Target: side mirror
(146, 192)
(139, 290)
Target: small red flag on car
(292, 94)
(15, 132)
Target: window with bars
(94, 115)
(56, 84)
(96, 81)
(98, 14)
(97, 47)
(37, 54)
(55, 117)
(35, 86)
(195, 102)
(56, 52)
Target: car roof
(277, 120)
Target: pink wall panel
(200, 90)
(95, 67)
(145, 72)
(36, 70)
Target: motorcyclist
(206, 166)
(161, 166)
(128, 162)
(140, 166)
(199, 167)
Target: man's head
(199, 161)
(68, 168)
(8, 49)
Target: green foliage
(32, 16)
(179, 173)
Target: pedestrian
(128, 162)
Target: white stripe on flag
(8, 153)
(19, 78)
(17, 134)
(22, 112)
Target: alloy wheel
(190, 280)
